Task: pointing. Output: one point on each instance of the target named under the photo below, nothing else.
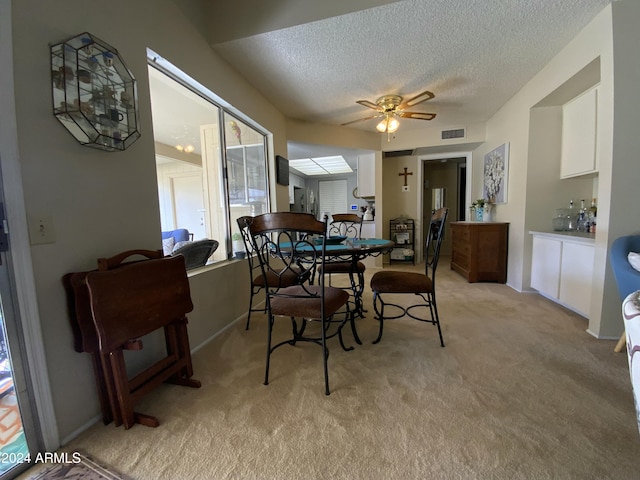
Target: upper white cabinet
(579, 130)
(367, 175)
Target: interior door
(188, 202)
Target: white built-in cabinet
(579, 133)
(367, 175)
(545, 266)
(562, 269)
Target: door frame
(20, 252)
(420, 197)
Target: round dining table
(352, 250)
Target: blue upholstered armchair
(627, 278)
(178, 235)
(172, 239)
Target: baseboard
(212, 337)
(605, 337)
(98, 418)
(81, 429)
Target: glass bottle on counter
(570, 224)
(582, 223)
(593, 215)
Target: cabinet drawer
(460, 234)
(479, 250)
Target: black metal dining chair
(391, 282)
(288, 245)
(347, 225)
(258, 280)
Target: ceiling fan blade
(363, 119)
(421, 97)
(417, 115)
(367, 103)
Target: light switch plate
(41, 229)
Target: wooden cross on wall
(405, 175)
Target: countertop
(577, 237)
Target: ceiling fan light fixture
(389, 125)
(188, 148)
(389, 107)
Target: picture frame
(402, 237)
(496, 174)
(282, 170)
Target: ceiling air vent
(449, 134)
(398, 153)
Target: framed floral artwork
(496, 174)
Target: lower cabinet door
(545, 266)
(576, 278)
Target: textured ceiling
(473, 54)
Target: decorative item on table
(331, 240)
(368, 214)
(481, 210)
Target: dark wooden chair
(289, 238)
(390, 282)
(112, 308)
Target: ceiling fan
(391, 106)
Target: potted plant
(238, 245)
(477, 209)
(481, 210)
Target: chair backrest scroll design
(285, 247)
(347, 224)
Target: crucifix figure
(405, 175)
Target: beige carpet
(520, 391)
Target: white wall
(104, 203)
(535, 190)
(518, 124)
(624, 216)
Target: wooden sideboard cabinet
(479, 251)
